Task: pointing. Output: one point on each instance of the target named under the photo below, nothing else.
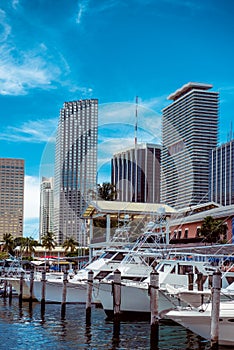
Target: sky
(52, 51)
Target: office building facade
(11, 197)
(46, 220)
(75, 167)
(189, 133)
(222, 174)
(135, 172)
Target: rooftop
(188, 87)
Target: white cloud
(21, 71)
(82, 8)
(33, 131)
(31, 197)
(5, 28)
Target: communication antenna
(136, 120)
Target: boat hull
(135, 301)
(200, 323)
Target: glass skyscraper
(11, 196)
(222, 174)
(136, 173)
(46, 206)
(75, 167)
(189, 133)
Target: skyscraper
(75, 167)
(189, 132)
(46, 206)
(11, 196)
(222, 174)
(142, 185)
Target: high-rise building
(222, 174)
(11, 196)
(75, 167)
(46, 221)
(143, 184)
(189, 132)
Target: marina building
(222, 174)
(75, 167)
(135, 172)
(46, 220)
(189, 133)
(11, 196)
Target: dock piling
(43, 288)
(10, 293)
(89, 296)
(190, 280)
(64, 295)
(21, 288)
(117, 294)
(216, 288)
(31, 286)
(154, 296)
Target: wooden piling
(43, 288)
(216, 287)
(64, 295)
(21, 287)
(200, 281)
(10, 293)
(5, 289)
(190, 280)
(154, 296)
(31, 286)
(89, 296)
(117, 294)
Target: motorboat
(198, 320)
(173, 272)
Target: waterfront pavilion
(104, 217)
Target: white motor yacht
(199, 321)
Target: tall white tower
(75, 167)
(46, 221)
(189, 133)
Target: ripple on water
(29, 329)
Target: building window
(179, 234)
(186, 233)
(198, 232)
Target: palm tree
(71, 244)
(48, 241)
(212, 229)
(107, 191)
(8, 243)
(28, 245)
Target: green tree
(212, 229)
(28, 245)
(107, 191)
(48, 241)
(71, 244)
(8, 245)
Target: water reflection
(32, 325)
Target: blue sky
(57, 50)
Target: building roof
(116, 207)
(188, 87)
(217, 213)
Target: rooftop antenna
(136, 120)
(231, 134)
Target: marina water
(28, 328)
